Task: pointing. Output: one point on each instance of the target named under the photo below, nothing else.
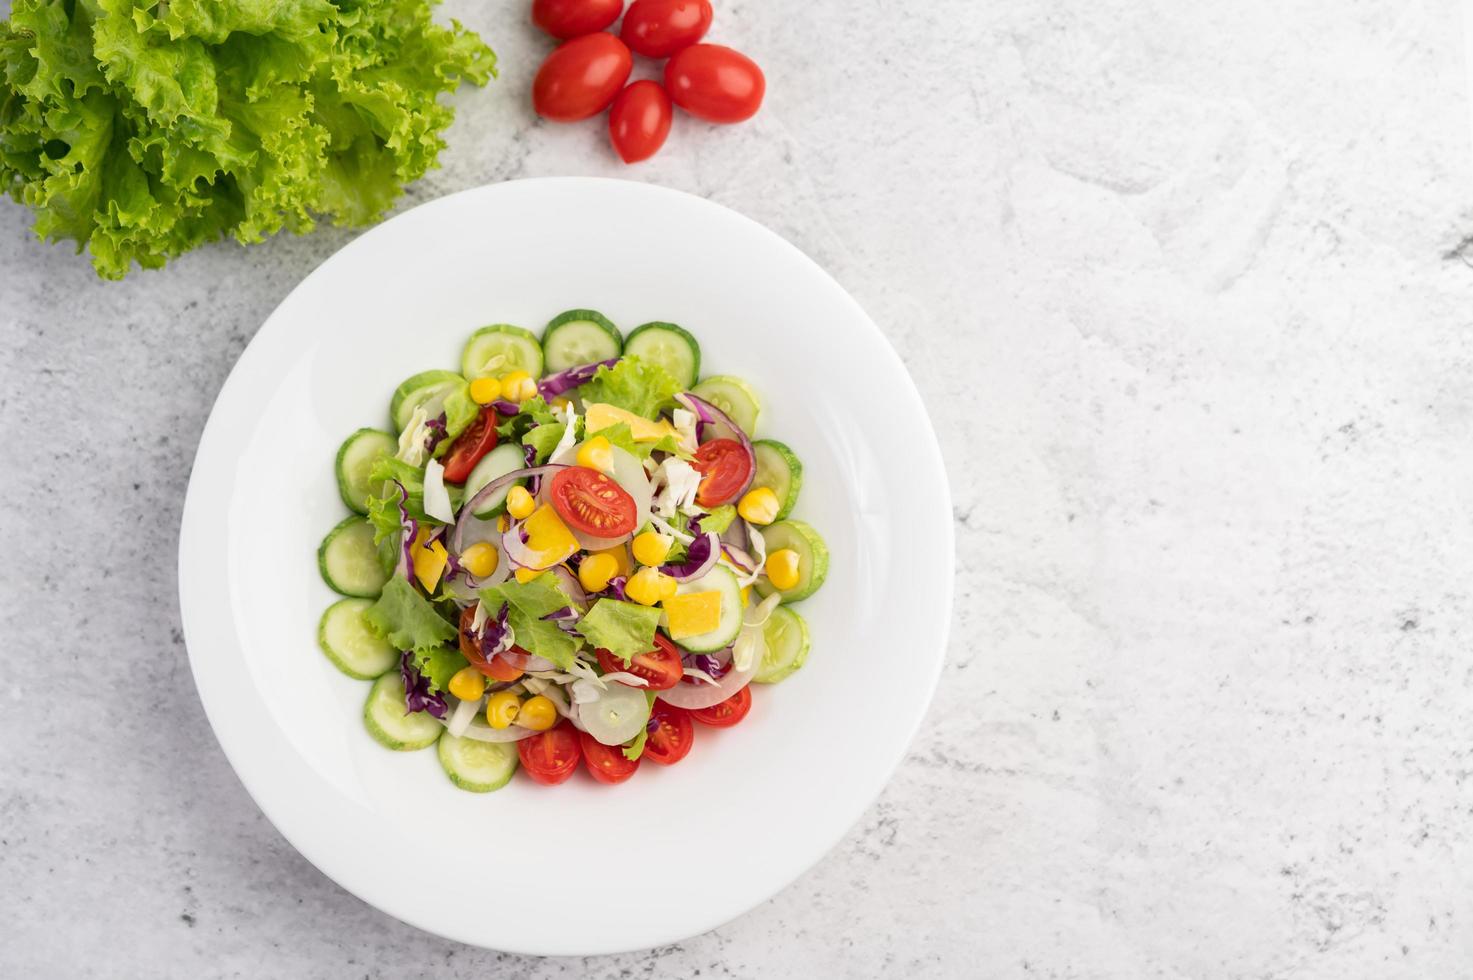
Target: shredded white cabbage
(412, 440)
(479, 617)
(700, 675)
(437, 498)
(680, 482)
(462, 716)
(759, 556)
(685, 429)
(570, 434)
(625, 678)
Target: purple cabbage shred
(556, 384)
(417, 696)
(437, 432)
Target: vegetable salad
(570, 550)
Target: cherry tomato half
(552, 756)
(581, 77)
(565, 19)
(639, 121)
(590, 502)
(726, 471)
(714, 82)
(497, 669)
(661, 667)
(659, 28)
(606, 763)
(728, 712)
(466, 451)
(673, 736)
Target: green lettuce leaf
(141, 129)
(622, 628)
(439, 664)
(407, 619)
(634, 748)
(535, 411)
(544, 439)
(526, 604)
(719, 519)
(633, 384)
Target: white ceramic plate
(581, 868)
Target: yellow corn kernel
(746, 596)
(782, 568)
(647, 586)
(668, 587)
(597, 454)
(484, 391)
(502, 709)
(517, 386)
(759, 505)
(622, 565)
(562, 403)
(538, 714)
(651, 548)
(519, 503)
(468, 684)
(480, 559)
(596, 570)
(525, 575)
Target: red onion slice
(572, 588)
(690, 570)
(693, 696)
(526, 661)
(468, 509)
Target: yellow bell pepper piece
(693, 613)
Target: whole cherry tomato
(565, 19)
(581, 77)
(716, 83)
(659, 28)
(639, 121)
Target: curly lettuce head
(141, 128)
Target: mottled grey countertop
(1188, 291)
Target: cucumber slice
(669, 346)
(787, 645)
(352, 647)
(480, 767)
(579, 337)
(813, 558)
(356, 457)
(348, 560)
(721, 580)
(780, 471)
(390, 724)
(500, 348)
(500, 461)
(420, 390)
(733, 396)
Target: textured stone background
(1188, 291)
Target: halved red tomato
(497, 669)
(728, 712)
(552, 756)
(661, 667)
(468, 448)
(590, 502)
(726, 470)
(606, 763)
(673, 736)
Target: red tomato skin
(728, 712)
(715, 83)
(606, 763)
(726, 471)
(640, 120)
(611, 508)
(661, 667)
(663, 750)
(466, 451)
(581, 77)
(529, 751)
(565, 19)
(659, 28)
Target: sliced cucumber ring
(733, 396)
(356, 457)
(670, 346)
(504, 459)
(387, 720)
(500, 348)
(780, 471)
(349, 562)
(718, 579)
(348, 642)
(579, 337)
(420, 390)
(787, 645)
(813, 558)
(479, 767)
